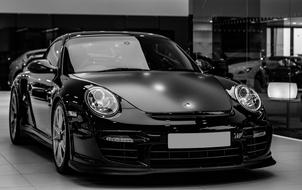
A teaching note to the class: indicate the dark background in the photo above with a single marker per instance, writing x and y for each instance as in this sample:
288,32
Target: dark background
22,32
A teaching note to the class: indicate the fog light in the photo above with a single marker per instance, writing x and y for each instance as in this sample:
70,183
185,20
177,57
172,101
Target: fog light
120,139
259,134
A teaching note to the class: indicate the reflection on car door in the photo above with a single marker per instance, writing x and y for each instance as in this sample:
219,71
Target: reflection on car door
41,90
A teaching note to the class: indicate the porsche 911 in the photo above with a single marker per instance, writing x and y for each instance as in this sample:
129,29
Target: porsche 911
136,103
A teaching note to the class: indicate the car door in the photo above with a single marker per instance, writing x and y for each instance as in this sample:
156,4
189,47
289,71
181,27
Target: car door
41,90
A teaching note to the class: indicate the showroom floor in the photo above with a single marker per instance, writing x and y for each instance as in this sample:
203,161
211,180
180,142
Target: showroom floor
30,167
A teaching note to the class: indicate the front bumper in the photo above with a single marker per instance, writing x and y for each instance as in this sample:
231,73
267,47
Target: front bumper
264,161
149,153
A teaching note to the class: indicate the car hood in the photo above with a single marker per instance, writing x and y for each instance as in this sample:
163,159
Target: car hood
164,92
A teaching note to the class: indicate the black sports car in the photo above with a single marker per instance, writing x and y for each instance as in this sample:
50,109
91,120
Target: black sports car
121,102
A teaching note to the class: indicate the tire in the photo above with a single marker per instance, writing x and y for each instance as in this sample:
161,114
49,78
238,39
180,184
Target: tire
60,139
15,120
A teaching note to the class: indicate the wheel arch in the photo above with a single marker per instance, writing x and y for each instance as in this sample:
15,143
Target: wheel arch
56,100
54,103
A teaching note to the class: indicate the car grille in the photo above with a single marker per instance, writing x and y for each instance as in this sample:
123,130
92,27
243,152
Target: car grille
256,146
120,152
162,157
209,116
155,153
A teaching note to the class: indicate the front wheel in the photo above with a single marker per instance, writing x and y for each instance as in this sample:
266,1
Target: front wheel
15,130
60,139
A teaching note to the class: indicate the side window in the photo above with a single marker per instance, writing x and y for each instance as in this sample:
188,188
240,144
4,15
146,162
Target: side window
54,53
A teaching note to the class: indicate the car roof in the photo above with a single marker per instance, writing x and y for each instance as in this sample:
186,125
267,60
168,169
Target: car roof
106,33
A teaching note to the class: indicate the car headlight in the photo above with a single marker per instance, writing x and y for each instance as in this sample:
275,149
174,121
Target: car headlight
101,101
247,97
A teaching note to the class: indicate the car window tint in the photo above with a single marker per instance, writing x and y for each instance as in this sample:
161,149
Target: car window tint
91,54
165,55
104,53
54,53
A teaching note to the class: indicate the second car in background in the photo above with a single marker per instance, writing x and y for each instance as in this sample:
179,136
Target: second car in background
18,64
213,66
251,73
284,69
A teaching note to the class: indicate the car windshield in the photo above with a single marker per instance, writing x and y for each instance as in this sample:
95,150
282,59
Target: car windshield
118,53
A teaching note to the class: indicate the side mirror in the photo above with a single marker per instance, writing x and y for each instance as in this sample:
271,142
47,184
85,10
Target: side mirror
205,66
41,66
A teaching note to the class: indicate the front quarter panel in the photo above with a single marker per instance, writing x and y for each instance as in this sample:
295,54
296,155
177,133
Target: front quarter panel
226,83
80,122
258,116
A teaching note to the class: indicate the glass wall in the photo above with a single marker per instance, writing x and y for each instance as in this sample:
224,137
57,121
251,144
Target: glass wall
258,43
255,42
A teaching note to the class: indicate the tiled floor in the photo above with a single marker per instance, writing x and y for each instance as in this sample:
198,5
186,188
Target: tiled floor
30,167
